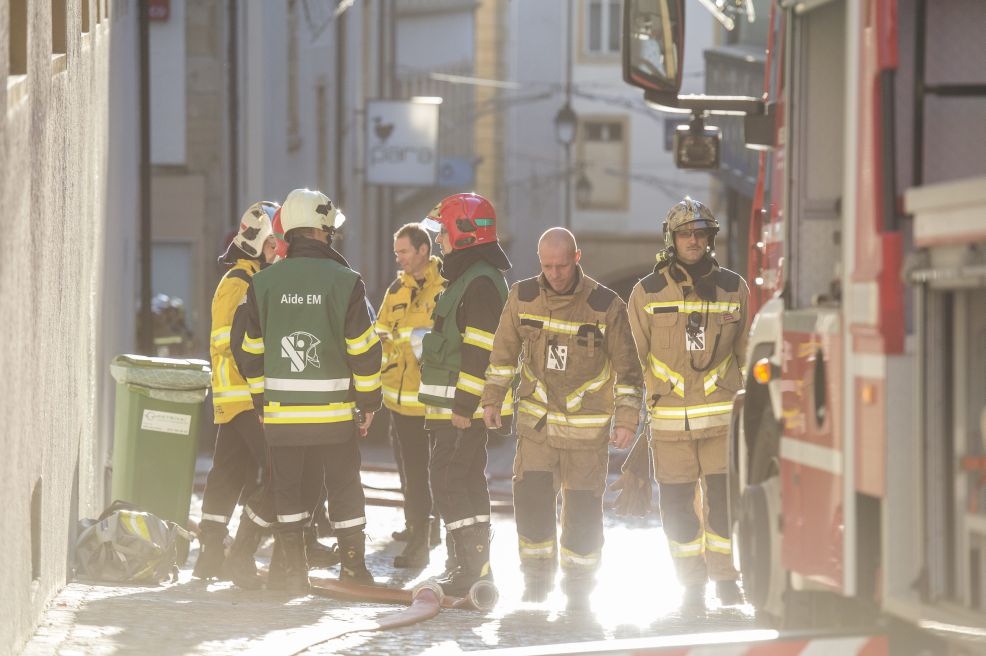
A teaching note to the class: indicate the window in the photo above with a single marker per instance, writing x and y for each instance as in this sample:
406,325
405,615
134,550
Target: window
58,27
602,180
17,37
602,27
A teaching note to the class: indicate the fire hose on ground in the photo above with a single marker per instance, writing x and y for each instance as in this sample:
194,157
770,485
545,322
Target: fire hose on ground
424,602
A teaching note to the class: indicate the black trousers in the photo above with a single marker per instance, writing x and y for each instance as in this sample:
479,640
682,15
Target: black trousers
458,474
302,473
236,463
413,456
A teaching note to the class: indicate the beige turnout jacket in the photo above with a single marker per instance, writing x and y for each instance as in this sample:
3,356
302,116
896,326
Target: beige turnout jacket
692,349
575,357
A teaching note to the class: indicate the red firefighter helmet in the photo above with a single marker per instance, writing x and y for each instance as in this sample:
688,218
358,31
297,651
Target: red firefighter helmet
469,219
277,232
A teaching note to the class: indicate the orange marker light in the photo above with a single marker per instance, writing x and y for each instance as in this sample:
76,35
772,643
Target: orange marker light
763,371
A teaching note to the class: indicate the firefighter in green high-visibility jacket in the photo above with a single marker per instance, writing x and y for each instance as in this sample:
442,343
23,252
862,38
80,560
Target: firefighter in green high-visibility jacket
454,357
312,360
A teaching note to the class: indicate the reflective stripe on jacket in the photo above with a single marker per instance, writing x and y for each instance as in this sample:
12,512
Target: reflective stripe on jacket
230,391
692,349
576,360
406,306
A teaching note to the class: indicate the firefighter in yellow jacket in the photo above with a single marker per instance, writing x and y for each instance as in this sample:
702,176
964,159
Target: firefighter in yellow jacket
240,449
580,389
689,320
405,315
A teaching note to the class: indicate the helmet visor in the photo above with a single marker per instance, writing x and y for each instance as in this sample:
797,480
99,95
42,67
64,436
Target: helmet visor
431,225
697,224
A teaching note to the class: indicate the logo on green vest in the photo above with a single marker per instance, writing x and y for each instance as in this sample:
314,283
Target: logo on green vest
299,348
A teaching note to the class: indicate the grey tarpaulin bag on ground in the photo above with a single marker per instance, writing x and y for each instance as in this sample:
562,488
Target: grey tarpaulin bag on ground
125,544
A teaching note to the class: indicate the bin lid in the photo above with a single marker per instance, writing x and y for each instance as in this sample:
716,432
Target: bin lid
161,373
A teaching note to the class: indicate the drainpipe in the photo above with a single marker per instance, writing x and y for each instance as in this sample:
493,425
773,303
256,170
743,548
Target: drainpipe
145,323
233,100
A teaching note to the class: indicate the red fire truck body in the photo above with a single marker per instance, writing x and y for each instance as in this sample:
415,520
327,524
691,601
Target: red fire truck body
856,471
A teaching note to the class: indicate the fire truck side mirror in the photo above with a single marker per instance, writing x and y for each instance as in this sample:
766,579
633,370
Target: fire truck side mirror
653,43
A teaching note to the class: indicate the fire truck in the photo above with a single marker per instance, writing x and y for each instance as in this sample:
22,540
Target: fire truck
857,460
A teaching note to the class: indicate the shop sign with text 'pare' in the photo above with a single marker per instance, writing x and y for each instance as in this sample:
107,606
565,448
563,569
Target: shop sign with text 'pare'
401,143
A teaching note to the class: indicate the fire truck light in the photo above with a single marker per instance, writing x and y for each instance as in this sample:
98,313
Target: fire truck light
763,371
758,281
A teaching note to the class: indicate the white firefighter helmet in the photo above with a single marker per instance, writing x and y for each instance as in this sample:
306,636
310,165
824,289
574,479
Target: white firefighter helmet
255,228
304,208
689,215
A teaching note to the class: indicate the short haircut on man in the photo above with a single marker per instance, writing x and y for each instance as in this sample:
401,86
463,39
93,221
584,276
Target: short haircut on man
418,235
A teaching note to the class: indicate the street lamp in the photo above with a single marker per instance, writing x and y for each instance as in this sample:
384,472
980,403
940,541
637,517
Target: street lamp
565,124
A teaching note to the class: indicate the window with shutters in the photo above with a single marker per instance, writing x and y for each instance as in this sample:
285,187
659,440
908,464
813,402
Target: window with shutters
601,28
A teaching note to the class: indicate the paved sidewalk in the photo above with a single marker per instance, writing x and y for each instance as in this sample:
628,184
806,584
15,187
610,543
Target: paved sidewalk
636,596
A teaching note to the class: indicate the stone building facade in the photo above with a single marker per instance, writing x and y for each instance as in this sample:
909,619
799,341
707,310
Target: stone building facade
69,190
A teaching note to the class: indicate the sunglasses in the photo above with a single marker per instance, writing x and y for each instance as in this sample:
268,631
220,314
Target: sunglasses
698,233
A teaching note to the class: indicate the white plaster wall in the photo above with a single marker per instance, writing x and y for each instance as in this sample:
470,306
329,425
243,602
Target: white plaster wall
66,291
269,166
535,161
167,67
430,41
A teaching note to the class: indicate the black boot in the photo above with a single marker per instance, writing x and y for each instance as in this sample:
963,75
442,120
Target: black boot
295,562
415,552
275,573
451,562
319,555
212,553
693,600
578,590
538,585
729,593
435,534
352,548
240,565
472,550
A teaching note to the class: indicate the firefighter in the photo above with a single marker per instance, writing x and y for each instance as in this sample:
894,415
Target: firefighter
404,314
455,354
689,320
580,389
258,511
312,360
240,451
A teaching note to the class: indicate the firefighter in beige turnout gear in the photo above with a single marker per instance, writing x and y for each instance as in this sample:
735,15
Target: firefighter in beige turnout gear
569,339
689,320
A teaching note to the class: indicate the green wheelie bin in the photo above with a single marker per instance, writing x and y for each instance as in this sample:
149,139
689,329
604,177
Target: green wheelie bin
158,404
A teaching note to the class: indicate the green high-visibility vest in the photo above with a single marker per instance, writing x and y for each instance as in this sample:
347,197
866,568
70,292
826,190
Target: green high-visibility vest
441,347
303,303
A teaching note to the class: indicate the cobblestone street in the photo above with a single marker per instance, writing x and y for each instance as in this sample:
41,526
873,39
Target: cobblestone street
636,596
